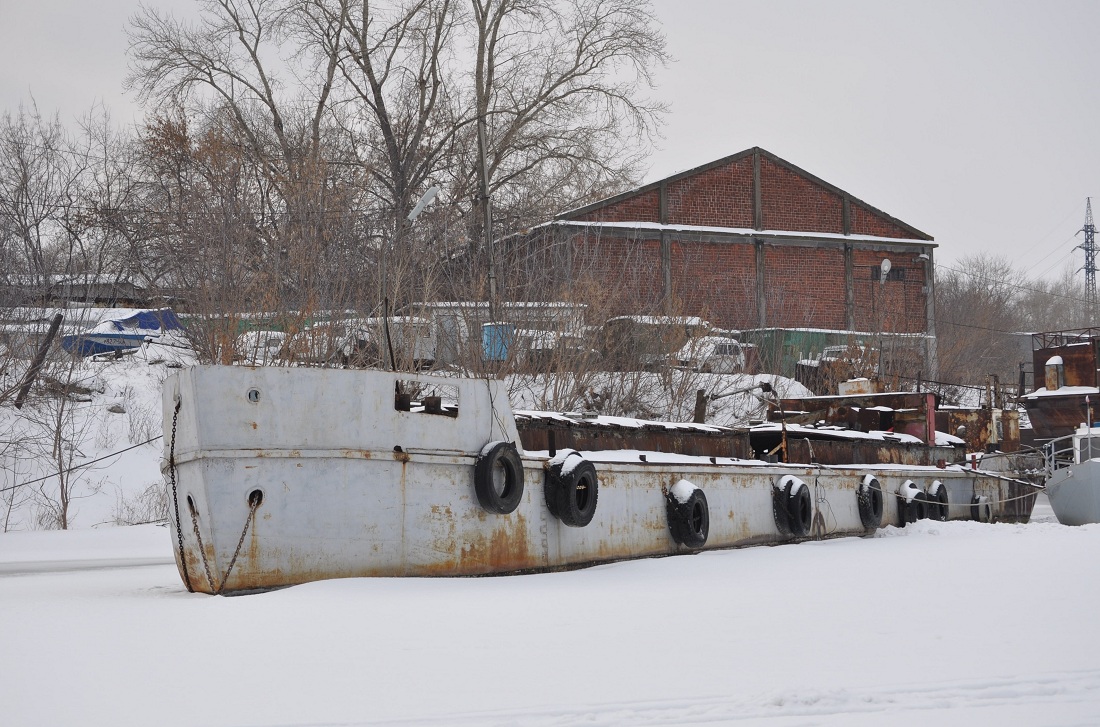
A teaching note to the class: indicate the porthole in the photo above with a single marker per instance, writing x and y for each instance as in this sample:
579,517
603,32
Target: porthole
254,396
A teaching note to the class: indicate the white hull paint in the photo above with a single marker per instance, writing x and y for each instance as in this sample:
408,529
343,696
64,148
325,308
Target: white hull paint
352,487
1074,493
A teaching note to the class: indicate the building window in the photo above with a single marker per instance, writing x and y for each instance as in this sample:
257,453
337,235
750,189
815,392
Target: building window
894,274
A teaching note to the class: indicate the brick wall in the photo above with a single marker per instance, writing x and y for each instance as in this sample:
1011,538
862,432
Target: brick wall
805,285
865,222
643,207
624,273
716,281
794,203
719,197
723,197
896,306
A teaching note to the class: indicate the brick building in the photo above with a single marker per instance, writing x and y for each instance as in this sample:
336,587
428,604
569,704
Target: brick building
751,241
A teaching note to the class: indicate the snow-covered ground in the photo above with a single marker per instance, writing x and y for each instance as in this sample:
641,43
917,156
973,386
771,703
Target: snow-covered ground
940,623
106,427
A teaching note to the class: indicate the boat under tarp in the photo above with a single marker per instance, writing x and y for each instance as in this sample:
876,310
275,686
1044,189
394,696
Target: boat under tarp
114,334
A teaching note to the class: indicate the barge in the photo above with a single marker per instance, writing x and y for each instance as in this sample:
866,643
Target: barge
280,476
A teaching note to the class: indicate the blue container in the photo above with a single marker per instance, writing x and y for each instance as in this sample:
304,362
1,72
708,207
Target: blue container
496,340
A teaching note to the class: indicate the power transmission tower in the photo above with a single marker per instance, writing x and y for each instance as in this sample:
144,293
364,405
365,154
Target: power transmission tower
1089,246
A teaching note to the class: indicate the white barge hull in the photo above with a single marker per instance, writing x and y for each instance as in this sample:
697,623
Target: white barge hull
1074,493
282,476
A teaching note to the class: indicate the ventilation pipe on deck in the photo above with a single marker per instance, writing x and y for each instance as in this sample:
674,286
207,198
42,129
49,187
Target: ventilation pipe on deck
1055,373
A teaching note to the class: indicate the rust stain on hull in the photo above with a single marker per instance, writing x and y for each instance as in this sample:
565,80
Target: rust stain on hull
453,536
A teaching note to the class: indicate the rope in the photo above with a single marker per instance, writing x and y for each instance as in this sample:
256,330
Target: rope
495,415
960,504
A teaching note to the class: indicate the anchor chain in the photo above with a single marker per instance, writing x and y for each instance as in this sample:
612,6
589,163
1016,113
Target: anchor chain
253,503
175,497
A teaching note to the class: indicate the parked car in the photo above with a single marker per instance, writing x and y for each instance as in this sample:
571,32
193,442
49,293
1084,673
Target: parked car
632,343
713,354
260,348
363,343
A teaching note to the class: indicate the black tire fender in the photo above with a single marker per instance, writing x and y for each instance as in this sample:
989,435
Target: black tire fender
572,489
498,478
937,493
911,501
869,500
923,507
689,521
792,506
981,509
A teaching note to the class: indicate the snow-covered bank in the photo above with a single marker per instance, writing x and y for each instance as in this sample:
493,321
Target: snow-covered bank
948,623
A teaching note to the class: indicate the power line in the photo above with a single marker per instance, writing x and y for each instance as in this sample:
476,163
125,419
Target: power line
1054,264
1013,284
1054,249
979,328
82,464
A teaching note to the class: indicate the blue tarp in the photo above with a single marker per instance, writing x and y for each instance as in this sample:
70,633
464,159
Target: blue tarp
163,319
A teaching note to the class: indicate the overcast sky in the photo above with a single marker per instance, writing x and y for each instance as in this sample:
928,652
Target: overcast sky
976,122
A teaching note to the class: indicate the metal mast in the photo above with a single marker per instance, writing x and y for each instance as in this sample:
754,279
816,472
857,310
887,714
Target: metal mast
1089,246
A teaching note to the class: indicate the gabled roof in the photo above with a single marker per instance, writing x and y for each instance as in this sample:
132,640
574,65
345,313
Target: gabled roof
765,154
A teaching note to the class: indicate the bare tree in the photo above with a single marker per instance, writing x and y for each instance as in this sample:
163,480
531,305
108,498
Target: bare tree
241,72
1048,305
977,310
35,184
560,84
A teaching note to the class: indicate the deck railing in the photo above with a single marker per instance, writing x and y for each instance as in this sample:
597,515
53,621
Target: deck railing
1053,339
1058,453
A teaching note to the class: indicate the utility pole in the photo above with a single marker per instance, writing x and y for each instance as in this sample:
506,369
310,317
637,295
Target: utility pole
423,202
487,211
1089,246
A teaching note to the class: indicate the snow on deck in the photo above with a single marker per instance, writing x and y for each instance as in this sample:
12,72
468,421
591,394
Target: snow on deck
604,420
837,432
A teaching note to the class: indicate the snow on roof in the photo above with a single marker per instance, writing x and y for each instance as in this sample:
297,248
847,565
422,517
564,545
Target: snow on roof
742,231
838,331
1067,391
943,439
1054,361
535,304
835,432
843,397
662,320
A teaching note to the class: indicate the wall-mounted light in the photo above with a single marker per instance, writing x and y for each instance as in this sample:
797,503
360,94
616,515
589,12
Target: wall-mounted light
423,202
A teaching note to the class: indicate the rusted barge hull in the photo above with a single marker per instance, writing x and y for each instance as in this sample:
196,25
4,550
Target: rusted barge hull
282,476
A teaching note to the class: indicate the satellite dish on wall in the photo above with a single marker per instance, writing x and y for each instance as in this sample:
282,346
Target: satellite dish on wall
884,267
